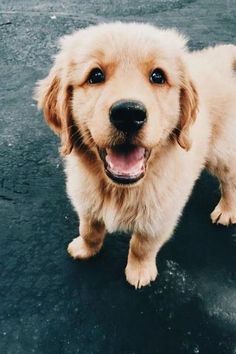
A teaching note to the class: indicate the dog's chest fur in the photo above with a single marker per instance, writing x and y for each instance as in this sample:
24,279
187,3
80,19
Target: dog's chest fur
144,208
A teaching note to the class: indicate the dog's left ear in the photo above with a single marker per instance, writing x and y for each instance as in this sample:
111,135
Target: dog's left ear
188,111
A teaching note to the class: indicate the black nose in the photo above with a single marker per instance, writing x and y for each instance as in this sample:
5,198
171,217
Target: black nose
128,116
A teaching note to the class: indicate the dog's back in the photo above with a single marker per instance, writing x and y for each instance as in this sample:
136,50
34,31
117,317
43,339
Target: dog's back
213,72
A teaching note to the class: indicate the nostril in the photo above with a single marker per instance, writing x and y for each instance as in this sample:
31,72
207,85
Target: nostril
128,115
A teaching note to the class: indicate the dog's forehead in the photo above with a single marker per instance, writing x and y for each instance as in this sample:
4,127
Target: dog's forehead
122,41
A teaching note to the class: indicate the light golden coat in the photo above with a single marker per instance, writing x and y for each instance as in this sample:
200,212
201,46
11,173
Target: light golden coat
191,124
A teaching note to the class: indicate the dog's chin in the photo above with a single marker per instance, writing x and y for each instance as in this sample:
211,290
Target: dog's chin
125,164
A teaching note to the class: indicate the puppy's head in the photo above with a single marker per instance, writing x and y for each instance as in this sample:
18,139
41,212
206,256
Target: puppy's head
118,92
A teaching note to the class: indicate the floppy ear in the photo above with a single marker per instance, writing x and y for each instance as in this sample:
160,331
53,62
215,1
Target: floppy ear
188,112
54,98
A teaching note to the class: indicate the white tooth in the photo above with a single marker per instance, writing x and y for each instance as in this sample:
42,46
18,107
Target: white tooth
110,164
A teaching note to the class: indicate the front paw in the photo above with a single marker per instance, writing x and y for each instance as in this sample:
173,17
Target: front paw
80,249
222,215
140,273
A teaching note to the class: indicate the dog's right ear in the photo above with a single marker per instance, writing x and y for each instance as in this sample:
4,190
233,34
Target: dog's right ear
188,112
54,97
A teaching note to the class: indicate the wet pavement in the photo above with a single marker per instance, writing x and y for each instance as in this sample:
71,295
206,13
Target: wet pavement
52,304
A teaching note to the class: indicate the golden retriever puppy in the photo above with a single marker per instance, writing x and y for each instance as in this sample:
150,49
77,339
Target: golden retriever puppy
139,117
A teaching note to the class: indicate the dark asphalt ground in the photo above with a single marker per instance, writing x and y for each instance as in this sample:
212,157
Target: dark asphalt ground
52,304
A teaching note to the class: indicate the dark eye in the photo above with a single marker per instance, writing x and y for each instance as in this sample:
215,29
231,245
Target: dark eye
96,76
158,77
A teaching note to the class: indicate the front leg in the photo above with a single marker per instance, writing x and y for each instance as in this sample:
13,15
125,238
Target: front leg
141,267
90,241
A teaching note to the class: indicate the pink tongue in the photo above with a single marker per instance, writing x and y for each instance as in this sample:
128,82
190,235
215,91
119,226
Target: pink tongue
125,162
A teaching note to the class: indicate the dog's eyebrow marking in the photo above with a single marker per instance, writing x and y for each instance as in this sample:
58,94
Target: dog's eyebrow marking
234,66
80,70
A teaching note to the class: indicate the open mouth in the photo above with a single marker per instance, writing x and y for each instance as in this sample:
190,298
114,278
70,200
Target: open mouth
125,164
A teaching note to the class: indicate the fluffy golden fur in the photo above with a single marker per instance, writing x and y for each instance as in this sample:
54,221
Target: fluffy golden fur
191,124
